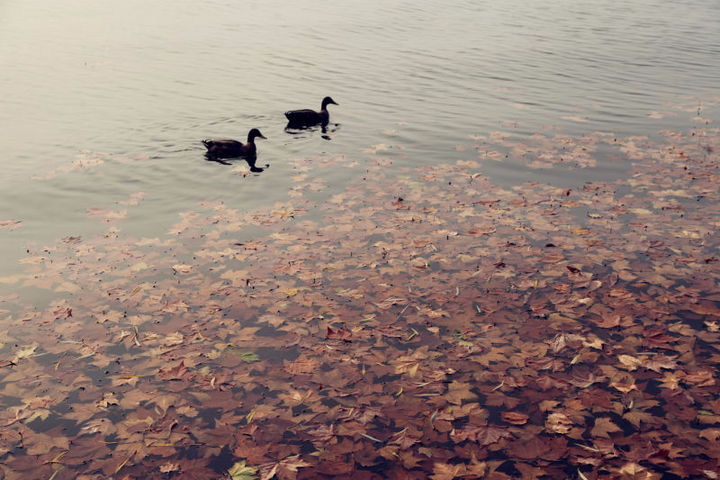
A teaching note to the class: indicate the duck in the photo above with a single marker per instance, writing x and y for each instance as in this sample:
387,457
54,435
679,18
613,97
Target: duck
307,117
233,148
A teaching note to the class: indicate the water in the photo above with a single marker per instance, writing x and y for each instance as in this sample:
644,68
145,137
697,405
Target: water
136,85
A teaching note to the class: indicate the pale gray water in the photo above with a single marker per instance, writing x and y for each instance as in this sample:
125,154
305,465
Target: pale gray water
148,80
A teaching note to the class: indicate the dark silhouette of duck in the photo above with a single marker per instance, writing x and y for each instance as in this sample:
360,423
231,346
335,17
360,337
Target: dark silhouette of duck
307,117
233,148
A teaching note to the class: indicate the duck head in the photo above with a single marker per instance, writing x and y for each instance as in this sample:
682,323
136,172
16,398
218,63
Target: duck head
254,133
326,101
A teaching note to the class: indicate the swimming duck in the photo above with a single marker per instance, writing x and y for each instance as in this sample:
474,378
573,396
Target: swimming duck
307,117
233,148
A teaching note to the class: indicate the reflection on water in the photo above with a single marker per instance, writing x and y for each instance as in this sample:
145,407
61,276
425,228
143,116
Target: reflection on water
138,85
326,131
251,161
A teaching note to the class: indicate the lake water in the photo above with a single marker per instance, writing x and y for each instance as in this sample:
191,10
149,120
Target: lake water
316,305
104,100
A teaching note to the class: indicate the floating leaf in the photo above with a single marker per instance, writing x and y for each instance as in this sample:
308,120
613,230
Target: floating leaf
240,471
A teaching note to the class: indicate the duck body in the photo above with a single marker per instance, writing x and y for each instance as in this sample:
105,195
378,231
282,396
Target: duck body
233,148
307,117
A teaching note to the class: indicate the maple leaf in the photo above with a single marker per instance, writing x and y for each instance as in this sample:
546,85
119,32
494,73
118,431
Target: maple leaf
274,320
671,380
484,435
586,380
671,451
249,357
25,352
404,440
40,444
659,362
604,426
302,366
515,418
284,213
623,382
629,361
173,339
285,469
169,467
636,417
323,433
444,471
9,224
176,372
532,448
457,392
107,400
40,413
711,434
100,425
631,468
341,334
240,471
701,378
610,321
558,423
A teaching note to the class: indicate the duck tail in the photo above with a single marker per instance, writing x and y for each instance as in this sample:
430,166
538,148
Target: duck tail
206,143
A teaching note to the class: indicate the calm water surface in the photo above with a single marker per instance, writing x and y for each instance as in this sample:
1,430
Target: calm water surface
138,84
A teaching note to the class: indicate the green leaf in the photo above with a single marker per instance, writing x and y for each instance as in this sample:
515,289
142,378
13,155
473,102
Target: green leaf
240,471
249,357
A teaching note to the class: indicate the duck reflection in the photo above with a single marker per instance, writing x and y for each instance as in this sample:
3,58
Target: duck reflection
251,161
325,130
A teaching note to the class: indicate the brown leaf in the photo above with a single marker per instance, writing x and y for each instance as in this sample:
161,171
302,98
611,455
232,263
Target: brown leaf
302,366
484,435
711,434
535,447
457,392
558,423
176,372
9,224
603,427
169,467
636,417
343,334
285,469
444,471
515,418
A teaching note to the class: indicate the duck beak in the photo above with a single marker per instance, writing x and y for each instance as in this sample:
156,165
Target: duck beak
262,136
334,102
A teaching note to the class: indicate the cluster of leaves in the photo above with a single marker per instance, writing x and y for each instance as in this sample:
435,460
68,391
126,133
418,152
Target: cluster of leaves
424,323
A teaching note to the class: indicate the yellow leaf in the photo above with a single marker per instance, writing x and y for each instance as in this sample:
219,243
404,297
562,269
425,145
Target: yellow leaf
139,267
240,471
283,213
25,352
40,413
181,268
